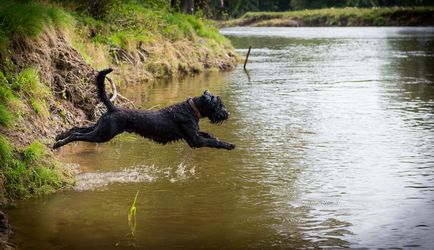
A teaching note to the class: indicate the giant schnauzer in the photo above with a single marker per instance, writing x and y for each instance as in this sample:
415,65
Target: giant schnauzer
176,122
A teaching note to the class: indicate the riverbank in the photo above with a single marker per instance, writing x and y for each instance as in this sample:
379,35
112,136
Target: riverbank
394,16
49,55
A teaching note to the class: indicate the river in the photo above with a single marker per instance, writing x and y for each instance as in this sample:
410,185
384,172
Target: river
334,130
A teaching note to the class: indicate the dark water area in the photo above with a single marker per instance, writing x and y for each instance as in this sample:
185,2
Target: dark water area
334,130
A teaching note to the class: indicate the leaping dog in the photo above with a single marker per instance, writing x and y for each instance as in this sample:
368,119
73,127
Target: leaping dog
177,122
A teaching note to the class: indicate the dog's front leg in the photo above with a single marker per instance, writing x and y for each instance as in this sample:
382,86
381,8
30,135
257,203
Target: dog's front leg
206,135
198,139
198,142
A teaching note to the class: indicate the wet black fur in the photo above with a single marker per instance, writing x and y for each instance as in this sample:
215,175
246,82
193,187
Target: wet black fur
169,124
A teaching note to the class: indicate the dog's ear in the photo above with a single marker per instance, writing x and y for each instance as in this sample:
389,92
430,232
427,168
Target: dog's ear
207,94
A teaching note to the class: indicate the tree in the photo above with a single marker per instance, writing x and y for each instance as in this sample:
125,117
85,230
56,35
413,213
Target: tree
185,6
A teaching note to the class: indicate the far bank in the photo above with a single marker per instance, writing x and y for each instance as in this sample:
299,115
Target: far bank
342,17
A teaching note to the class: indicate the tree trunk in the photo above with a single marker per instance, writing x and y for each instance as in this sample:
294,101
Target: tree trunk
188,6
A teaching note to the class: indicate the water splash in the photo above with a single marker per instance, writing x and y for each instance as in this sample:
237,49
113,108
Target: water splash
140,173
181,173
92,181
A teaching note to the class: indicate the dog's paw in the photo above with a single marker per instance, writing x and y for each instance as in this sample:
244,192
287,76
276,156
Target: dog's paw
56,145
229,146
60,136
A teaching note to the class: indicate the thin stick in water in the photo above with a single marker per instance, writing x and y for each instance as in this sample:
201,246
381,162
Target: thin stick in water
247,57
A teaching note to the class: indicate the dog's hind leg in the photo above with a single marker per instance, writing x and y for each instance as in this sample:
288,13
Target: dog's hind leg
102,132
65,134
93,136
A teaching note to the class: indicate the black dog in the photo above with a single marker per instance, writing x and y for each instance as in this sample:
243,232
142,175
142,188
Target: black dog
176,122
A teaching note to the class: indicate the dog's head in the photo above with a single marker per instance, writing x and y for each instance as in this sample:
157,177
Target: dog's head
212,107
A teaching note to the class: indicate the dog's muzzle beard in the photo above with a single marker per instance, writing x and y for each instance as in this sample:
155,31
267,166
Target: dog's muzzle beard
219,117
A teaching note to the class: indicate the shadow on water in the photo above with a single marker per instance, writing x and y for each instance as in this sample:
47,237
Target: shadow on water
333,132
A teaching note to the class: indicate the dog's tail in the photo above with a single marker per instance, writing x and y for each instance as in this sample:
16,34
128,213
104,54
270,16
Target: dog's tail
101,89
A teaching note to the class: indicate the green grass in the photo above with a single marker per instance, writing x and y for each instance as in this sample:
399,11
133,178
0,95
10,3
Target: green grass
6,117
28,84
9,103
134,23
39,106
5,151
334,16
33,152
30,19
25,85
30,171
132,219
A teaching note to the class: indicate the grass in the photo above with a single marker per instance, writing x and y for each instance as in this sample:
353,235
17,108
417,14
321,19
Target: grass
28,84
132,221
6,117
29,19
342,17
5,151
163,43
134,23
33,152
29,171
119,36
9,103
25,85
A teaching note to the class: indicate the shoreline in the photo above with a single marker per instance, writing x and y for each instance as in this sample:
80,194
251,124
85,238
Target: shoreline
338,17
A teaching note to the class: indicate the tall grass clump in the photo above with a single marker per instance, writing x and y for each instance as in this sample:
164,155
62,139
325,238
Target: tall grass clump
33,152
5,150
28,84
29,19
9,102
6,117
29,171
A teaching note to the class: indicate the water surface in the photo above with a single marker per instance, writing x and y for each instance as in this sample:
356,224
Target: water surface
334,130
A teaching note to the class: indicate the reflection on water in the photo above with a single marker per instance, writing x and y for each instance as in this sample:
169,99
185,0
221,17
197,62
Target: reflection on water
334,134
